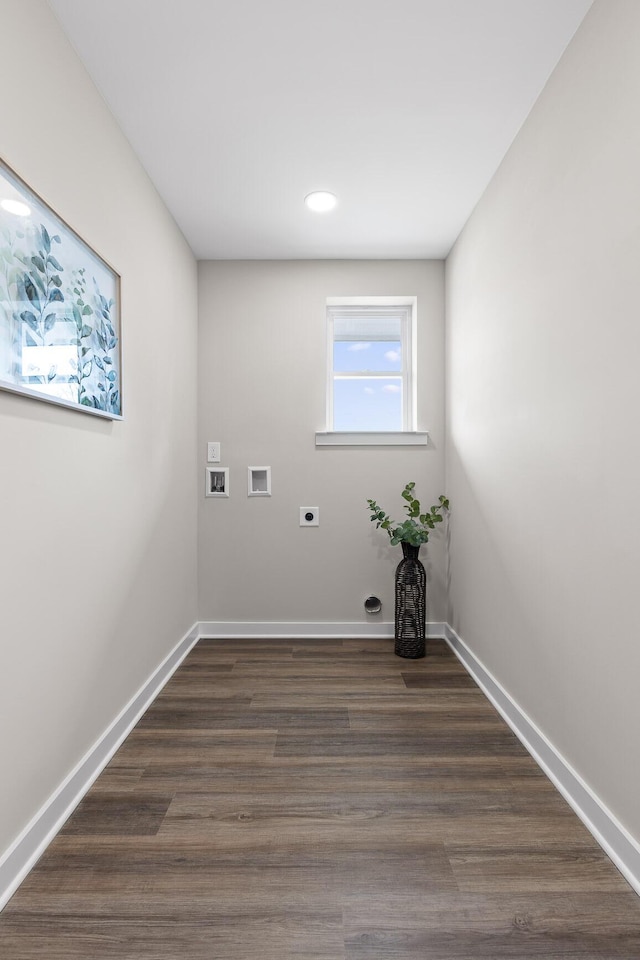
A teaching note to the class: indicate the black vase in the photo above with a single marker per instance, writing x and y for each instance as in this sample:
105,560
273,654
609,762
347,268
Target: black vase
411,587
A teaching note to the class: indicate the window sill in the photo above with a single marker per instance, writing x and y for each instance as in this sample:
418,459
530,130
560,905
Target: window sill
347,438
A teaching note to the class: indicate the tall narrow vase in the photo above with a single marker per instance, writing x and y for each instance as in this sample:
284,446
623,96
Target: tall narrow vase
411,586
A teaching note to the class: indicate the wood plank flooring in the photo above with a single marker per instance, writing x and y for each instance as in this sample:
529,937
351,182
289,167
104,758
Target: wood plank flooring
322,800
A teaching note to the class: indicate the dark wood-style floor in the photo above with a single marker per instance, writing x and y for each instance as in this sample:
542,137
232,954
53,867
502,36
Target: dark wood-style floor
322,800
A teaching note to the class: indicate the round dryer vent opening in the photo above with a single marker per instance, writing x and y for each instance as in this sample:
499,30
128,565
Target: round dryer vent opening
373,605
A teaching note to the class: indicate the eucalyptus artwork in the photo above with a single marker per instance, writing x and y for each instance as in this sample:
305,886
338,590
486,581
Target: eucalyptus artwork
59,321
410,587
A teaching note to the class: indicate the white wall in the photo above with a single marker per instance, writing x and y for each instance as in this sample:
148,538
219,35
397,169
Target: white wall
98,559
262,378
543,291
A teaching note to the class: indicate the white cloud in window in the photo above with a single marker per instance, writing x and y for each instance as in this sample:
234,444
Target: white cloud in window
369,390
359,346
391,388
392,356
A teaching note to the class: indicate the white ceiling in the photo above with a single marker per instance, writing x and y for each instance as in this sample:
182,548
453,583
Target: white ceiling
239,108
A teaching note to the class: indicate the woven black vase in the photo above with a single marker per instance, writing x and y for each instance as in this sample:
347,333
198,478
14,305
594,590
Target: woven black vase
411,587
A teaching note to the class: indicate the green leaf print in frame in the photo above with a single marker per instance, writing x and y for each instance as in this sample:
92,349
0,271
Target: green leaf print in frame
59,308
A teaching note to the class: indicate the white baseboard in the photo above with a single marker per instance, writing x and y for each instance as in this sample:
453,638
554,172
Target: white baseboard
614,839
21,856
317,630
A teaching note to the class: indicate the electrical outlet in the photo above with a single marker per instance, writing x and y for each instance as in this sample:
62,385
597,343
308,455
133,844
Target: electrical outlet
309,516
213,452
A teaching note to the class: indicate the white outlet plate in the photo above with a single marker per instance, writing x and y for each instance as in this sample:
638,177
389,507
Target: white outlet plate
213,451
315,518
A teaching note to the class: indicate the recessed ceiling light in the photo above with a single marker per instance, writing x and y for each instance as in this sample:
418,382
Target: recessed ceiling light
320,201
15,206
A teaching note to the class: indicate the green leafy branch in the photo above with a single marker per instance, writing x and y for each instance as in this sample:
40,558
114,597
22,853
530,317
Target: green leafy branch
416,529
80,310
40,287
107,340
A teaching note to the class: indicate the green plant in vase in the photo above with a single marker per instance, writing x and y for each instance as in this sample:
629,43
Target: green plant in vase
416,529
410,587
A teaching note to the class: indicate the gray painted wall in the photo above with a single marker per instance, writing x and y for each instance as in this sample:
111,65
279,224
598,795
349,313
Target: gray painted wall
262,376
97,567
543,288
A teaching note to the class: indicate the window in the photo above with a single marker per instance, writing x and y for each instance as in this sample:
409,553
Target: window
371,377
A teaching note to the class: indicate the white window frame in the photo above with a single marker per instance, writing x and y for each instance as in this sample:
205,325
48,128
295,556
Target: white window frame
367,307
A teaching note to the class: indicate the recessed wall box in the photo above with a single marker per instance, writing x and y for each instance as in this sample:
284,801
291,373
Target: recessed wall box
259,481
217,482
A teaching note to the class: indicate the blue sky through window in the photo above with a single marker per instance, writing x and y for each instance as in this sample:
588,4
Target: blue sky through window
356,356
367,403
364,403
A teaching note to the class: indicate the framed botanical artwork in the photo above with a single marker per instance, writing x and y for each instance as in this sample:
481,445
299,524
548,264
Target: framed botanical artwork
59,308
